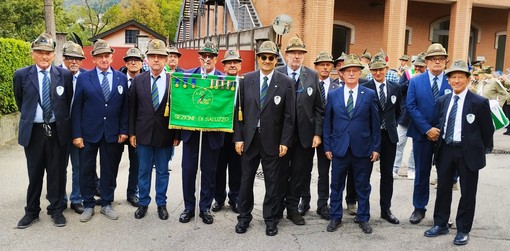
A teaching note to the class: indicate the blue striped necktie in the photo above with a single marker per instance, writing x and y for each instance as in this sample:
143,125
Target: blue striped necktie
435,89
350,104
155,92
382,99
323,92
105,85
263,92
450,125
46,98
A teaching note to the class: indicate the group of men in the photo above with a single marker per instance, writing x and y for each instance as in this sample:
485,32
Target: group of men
283,117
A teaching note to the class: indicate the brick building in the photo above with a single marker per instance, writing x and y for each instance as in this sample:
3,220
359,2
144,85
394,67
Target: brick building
469,29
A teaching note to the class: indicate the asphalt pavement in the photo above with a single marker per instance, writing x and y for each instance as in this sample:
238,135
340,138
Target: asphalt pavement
491,228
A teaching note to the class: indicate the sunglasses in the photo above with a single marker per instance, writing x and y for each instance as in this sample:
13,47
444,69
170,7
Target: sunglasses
264,57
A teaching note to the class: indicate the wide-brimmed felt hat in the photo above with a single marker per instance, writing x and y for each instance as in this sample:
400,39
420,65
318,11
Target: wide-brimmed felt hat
420,60
436,49
295,44
43,42
73,50
173,50
404,57
101,47
323,56
268,47
458,65
378,62
133,53
231,55
352,60
156,47
208,47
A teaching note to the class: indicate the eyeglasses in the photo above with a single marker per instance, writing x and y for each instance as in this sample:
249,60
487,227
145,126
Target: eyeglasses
73,59
437,59
264,57
133,60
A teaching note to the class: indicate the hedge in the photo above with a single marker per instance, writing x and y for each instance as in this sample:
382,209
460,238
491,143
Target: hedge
14,54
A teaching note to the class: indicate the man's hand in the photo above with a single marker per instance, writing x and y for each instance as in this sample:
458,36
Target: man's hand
176,142
132,141
433,134
122,138
329,155
374,157
283,150
316,141
239,147
78,142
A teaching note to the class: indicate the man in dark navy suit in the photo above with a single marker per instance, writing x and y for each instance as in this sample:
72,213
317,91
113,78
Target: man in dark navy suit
100,123
422,93
323,66
352,137
43,94
263,135
390,97
73,59
211,144
307,130
228,157
466,129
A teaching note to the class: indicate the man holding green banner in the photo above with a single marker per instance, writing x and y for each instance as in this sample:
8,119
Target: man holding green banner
196,116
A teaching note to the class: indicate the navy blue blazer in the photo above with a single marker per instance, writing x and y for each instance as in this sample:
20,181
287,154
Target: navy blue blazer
361,133
92,116
26,94
420,105
215,138
476,131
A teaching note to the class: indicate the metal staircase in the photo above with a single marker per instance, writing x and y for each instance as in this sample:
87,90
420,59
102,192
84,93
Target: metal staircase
243,14
186,18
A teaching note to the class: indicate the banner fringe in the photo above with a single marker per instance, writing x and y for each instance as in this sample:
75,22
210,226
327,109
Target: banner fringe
199,129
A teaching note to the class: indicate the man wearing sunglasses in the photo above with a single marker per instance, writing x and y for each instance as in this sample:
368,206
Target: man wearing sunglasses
307,130
263,128
211,144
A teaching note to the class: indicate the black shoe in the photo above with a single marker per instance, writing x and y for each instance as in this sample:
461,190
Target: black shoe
324,212
507,132
271,230
333,225
58,219
27,221
365,226
77,207
133,200
241,227
186,216
387,215
417,216
207,217
140,212
233,207
436,231
216,207
295,217
461,238
162,213
356,220
303,208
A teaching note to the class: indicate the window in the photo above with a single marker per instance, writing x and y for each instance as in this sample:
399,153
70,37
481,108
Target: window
131,36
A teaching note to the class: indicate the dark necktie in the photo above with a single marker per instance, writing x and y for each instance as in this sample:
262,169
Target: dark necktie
296,81
263,91
450,125
435,90
46,98
154,92
323,92
382,99
105,85
130,81
350,104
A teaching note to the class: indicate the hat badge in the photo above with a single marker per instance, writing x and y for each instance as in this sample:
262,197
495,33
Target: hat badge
156,45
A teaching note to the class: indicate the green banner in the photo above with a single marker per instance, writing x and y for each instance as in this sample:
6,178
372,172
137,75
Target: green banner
203,103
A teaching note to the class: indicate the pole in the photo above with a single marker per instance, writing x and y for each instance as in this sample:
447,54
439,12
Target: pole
197,182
